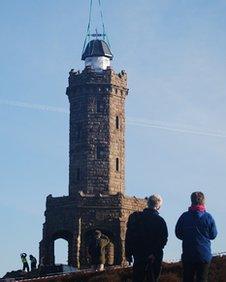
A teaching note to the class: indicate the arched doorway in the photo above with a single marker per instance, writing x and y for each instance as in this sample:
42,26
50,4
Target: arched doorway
62,241
60,251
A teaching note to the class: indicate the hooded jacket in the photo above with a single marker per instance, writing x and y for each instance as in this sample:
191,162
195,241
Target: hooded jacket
196,229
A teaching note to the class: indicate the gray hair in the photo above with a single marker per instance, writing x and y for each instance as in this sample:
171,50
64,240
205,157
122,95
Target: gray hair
155,201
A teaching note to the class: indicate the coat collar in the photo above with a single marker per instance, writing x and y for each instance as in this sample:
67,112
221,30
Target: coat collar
150,211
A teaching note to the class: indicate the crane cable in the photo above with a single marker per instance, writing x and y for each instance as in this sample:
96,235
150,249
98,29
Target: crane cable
89,24
102,19
88,34
103,26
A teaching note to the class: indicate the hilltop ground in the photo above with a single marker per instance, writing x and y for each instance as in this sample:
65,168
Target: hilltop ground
171,273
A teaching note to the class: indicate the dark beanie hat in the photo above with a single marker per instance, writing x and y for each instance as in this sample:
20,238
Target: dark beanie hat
197,198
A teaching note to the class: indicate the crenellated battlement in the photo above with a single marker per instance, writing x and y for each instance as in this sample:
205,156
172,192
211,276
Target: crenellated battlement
90,77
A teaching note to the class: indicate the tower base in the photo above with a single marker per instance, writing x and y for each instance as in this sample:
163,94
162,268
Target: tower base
75,218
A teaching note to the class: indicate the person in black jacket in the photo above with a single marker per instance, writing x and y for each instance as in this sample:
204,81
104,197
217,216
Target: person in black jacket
146,237
33,262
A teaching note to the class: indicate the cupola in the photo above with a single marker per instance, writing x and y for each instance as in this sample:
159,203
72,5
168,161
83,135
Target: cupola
97,55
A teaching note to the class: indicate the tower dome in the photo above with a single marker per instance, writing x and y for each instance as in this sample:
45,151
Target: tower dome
97,55
97,48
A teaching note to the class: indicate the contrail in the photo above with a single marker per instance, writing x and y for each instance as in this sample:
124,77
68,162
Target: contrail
34,106
185,129
169,127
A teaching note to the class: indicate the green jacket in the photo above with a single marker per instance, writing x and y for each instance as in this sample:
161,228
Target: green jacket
24,260
97,250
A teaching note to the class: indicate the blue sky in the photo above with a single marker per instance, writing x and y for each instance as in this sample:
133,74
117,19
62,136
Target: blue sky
174,54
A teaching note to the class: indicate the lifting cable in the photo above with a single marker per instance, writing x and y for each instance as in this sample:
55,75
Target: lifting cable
88,32
103,26
102,19
88,27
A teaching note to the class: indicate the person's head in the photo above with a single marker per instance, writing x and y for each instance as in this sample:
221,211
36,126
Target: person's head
155,202
23,255
30,256
197,198
97,234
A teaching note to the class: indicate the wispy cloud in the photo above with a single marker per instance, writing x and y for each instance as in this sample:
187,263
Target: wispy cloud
141,122
34,106
176,128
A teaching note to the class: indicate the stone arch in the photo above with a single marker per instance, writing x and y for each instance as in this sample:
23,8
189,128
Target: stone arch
60,251
67,236
110,249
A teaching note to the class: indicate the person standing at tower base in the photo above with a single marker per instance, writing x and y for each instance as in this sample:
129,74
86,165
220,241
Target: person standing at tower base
96,250
33,262
24,262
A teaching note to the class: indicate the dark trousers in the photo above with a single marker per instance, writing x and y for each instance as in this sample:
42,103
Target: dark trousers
33,265
199,270
146,271
25,266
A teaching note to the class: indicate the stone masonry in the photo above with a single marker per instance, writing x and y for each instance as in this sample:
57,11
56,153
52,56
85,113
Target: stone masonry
96,142
96,197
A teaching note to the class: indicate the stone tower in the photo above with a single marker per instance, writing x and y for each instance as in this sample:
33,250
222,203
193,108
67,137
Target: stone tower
97,125
96,197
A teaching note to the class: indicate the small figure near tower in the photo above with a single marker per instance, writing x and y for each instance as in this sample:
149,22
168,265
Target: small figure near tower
23,257
33,262
96,250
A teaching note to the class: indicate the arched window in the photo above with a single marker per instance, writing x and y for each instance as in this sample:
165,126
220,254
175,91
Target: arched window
61,251
117,164
117,122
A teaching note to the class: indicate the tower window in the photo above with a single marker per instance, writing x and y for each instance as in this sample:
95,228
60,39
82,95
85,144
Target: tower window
117,122
117,164
100,152
78,174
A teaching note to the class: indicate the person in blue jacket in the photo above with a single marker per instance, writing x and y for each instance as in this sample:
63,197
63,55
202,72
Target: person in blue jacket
196,228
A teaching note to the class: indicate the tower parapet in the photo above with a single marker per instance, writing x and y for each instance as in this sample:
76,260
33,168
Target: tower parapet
90,76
